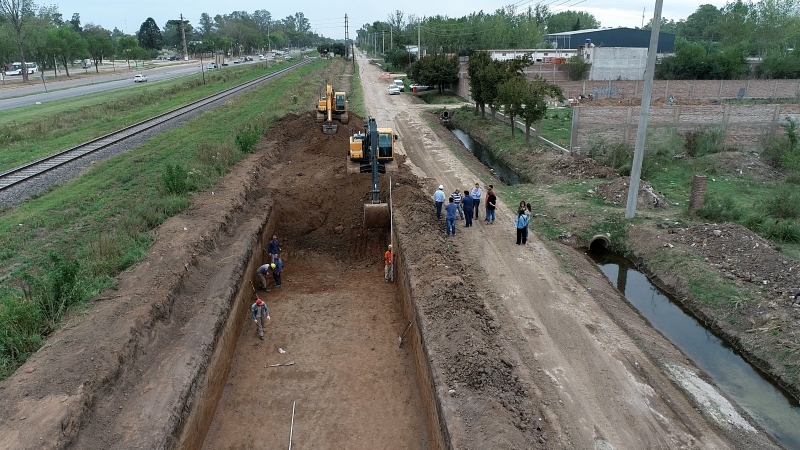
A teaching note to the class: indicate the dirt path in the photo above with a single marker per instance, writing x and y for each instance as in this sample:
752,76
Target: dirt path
594,386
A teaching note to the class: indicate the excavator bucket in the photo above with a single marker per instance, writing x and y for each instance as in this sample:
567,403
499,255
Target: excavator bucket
376,215
329,128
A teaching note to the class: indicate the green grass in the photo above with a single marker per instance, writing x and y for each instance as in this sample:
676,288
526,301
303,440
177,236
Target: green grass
357,101
99,224
557,126
30,133
435,98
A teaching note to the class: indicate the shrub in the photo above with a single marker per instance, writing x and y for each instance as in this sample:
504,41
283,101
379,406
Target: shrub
247,138
720,209
704,142
174,180
783,204
786,230
618,156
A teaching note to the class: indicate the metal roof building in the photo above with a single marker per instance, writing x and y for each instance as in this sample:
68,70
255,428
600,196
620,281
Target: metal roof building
611,37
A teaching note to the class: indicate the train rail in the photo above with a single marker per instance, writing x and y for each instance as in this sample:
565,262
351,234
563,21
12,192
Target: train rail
41,166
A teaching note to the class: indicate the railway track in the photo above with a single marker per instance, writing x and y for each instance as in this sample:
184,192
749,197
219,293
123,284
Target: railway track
34,169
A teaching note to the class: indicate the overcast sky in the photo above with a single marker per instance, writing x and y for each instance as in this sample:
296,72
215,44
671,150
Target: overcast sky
327,17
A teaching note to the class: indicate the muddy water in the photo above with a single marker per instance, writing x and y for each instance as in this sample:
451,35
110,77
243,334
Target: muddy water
505,173
774,410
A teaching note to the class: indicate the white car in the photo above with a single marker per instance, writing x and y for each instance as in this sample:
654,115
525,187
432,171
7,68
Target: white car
393,89
419,87
139,78
211,66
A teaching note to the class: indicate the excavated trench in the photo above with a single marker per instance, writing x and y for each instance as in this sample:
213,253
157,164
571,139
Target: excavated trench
339,323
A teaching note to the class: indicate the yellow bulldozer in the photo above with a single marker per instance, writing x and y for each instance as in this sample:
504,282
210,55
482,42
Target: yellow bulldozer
332,106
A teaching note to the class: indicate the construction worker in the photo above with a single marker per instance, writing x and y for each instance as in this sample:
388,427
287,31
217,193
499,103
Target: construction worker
273,248
262,272
438,200
259,310
277,268
388,258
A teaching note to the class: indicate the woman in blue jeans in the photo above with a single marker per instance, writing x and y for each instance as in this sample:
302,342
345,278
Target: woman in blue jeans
491,205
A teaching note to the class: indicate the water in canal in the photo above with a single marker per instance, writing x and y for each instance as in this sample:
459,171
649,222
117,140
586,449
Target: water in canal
505,173
776,412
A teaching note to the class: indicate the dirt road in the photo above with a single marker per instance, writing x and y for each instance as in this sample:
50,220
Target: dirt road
592,385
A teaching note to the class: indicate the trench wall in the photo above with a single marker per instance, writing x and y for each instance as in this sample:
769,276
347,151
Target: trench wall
435,418
204,407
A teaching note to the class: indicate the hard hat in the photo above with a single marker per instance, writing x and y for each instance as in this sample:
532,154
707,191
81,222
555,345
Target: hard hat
390,245
272,265
441,187
259,302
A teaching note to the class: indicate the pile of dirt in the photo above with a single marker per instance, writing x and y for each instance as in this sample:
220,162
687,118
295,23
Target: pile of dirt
740,254
579,168
742,164
616,193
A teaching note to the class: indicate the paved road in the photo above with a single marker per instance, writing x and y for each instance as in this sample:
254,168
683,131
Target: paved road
11,98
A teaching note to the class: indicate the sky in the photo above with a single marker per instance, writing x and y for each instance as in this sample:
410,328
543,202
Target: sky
327,17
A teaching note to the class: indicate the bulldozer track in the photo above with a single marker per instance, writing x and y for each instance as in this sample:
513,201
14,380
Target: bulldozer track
41,167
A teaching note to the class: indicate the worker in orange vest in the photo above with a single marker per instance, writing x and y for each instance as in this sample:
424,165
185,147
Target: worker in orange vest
388,271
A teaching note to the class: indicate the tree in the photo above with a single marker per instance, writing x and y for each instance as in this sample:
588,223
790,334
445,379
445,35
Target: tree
510,94
127,46
534,100
436,70
75,23
149,35
99,45
19,13
571,21
576,68
476,69
65,45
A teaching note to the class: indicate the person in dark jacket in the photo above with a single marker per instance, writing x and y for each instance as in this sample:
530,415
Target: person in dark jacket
277,269
522,225
491,206
273,248
466,203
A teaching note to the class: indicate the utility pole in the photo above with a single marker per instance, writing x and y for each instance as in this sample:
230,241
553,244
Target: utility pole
643,9
419,40
346,36
391,38
383,42
644,111
183,36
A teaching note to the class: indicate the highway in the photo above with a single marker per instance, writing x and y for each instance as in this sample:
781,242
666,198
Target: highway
64,88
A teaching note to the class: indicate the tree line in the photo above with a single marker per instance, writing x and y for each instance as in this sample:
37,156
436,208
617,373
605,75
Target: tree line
29,32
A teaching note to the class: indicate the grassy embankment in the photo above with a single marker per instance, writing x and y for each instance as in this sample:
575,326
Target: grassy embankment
767,206
35,131
67,245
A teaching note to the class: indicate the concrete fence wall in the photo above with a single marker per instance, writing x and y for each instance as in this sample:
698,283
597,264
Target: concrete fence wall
679,89
744,125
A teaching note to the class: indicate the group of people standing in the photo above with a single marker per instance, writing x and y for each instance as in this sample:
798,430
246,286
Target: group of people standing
464,203
259,309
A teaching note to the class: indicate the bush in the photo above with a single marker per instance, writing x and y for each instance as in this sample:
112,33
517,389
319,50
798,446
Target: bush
618,156
720,209
174,180
786,230
704,142
783,204
247,139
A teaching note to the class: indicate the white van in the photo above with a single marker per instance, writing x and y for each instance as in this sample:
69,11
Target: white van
16,68
400,85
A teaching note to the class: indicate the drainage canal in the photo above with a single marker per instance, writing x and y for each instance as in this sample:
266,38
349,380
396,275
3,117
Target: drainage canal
505,173
775,411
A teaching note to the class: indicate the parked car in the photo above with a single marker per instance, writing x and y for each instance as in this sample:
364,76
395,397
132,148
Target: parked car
393,89
139,78
419,87
400,85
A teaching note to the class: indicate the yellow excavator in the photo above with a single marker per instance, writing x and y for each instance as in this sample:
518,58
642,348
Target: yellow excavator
373,149
332,106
